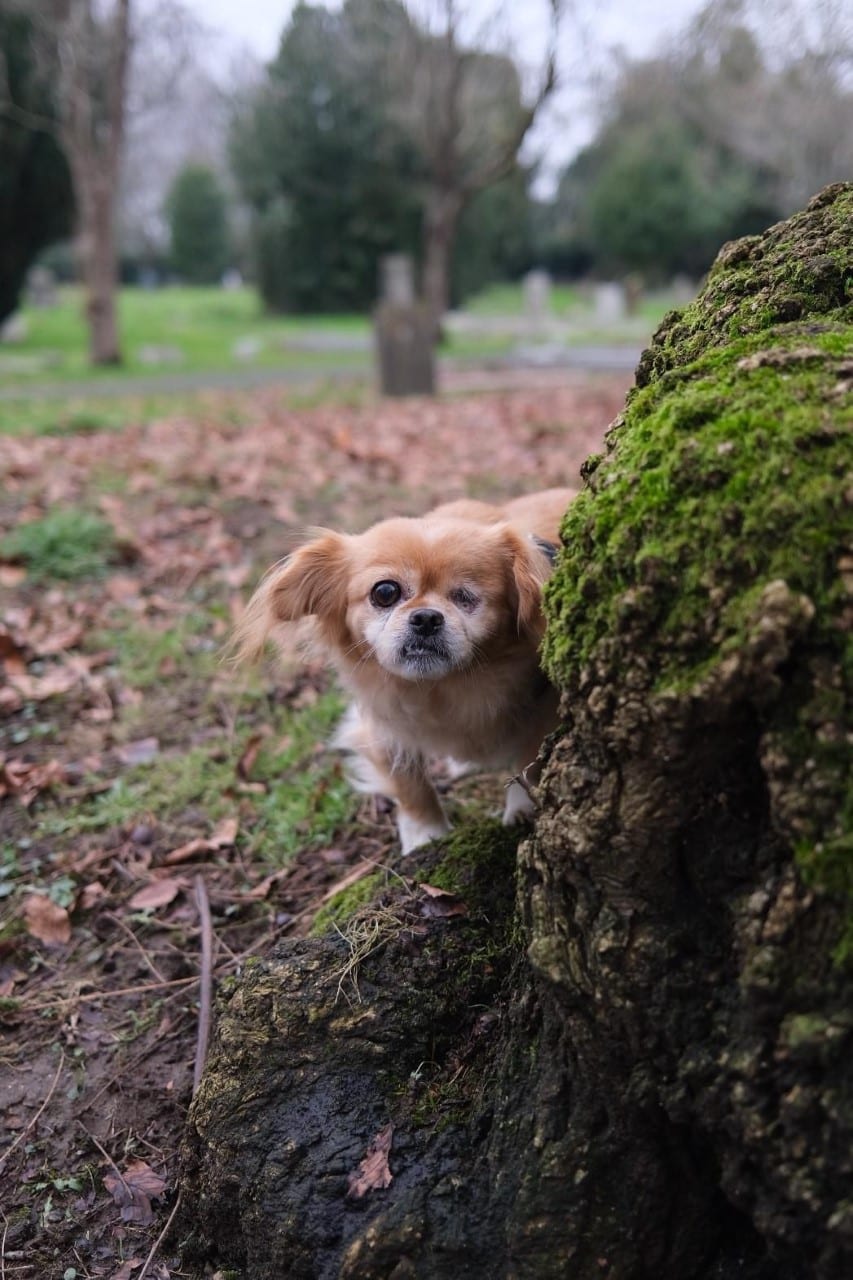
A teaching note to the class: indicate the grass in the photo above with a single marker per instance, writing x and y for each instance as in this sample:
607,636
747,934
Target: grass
68,543
194,329
185,331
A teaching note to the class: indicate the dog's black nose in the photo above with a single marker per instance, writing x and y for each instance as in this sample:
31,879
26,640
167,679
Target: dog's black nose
426,622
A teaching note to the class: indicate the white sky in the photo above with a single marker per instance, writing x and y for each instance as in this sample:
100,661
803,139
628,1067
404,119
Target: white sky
635,26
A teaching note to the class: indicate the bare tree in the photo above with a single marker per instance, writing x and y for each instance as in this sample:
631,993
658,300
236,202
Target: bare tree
93,53
469,115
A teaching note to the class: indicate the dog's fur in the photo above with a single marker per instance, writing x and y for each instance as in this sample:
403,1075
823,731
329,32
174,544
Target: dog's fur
443,660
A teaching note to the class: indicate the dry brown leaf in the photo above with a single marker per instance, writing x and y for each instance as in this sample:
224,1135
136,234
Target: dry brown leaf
159,893
134,1190
250,754
434,892
46,920
184,852
441,903
127,1269
225,833
373,1172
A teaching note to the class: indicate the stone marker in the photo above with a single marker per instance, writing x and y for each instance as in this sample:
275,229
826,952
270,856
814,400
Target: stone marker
41,288
537,300
403,333
610,302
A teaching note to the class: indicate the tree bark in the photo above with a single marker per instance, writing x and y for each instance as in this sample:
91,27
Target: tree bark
633,1062
441,219
93,56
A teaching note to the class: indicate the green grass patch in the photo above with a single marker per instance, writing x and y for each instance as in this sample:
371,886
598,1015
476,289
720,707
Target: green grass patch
307,799
67,543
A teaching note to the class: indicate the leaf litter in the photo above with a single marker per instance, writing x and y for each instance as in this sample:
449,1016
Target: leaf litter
116,678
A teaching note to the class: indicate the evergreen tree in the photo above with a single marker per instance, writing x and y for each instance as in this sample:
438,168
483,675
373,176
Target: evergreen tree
198,222
36,204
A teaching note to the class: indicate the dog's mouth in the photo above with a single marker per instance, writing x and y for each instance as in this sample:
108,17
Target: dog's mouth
425,656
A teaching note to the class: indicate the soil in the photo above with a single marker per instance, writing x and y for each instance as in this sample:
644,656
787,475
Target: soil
99,986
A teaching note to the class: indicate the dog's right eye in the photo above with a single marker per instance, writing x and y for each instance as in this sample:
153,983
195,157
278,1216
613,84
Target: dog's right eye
384,594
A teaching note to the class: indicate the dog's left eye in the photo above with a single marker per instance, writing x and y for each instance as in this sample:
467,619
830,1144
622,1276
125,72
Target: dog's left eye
384,594
464,598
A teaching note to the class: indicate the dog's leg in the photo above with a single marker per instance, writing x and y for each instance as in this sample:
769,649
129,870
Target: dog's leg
379,771
518,806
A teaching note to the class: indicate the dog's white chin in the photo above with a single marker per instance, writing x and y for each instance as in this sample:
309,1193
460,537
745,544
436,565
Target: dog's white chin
423,665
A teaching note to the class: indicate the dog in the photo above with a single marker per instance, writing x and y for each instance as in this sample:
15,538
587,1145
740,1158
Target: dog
434,627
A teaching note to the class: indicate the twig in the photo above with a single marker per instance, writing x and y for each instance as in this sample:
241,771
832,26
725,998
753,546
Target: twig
34,1121
130,934
3,1247
156,1245
103,995
205,980
104,1153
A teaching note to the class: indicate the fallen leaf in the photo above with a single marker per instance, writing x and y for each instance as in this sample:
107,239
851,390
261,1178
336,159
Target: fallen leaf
126,1269
159,893
134,1190
373,1172
184,852
225,833
45,920
441,903
250,754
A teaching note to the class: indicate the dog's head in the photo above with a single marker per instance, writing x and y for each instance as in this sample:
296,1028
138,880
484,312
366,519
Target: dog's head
420,598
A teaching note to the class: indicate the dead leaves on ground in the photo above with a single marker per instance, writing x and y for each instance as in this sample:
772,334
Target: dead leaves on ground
134,1189
373,1172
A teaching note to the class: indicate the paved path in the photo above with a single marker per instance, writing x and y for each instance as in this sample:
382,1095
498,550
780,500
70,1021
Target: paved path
589,358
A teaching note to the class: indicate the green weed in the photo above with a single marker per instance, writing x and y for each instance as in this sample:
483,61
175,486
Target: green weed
67,543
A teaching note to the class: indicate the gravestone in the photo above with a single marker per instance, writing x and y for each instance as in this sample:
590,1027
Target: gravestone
41,288
537,300
403,333
610,302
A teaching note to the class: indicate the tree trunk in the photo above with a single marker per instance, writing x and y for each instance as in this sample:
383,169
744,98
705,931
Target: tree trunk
633,1062
441,218
98,258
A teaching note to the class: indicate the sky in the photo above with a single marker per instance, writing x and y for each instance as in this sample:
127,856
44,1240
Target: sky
238,27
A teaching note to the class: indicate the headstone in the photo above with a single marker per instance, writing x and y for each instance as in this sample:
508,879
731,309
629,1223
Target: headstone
610,303
403,333
537,300
14,329
153,354
633,293
41,288
231,280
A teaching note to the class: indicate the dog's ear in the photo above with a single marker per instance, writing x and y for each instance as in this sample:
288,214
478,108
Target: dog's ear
529,565
311,581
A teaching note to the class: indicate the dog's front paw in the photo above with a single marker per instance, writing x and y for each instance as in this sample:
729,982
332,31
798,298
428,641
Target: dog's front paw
519,807
415,832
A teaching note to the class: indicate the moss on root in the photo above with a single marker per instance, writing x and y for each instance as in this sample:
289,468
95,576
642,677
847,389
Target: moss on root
710,554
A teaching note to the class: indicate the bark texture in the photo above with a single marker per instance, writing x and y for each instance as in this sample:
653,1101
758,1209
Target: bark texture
634,1062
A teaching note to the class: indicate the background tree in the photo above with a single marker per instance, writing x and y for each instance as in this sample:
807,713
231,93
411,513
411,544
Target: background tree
374,132
727,128
326,171
467,112
198,222
92,54
36,205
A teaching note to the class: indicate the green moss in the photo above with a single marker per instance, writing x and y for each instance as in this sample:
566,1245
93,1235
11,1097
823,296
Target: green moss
478,864
344,904
715,525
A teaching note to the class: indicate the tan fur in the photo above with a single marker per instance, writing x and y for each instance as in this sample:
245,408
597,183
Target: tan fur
471,688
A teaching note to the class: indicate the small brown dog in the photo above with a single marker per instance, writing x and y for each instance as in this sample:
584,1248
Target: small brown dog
434,626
